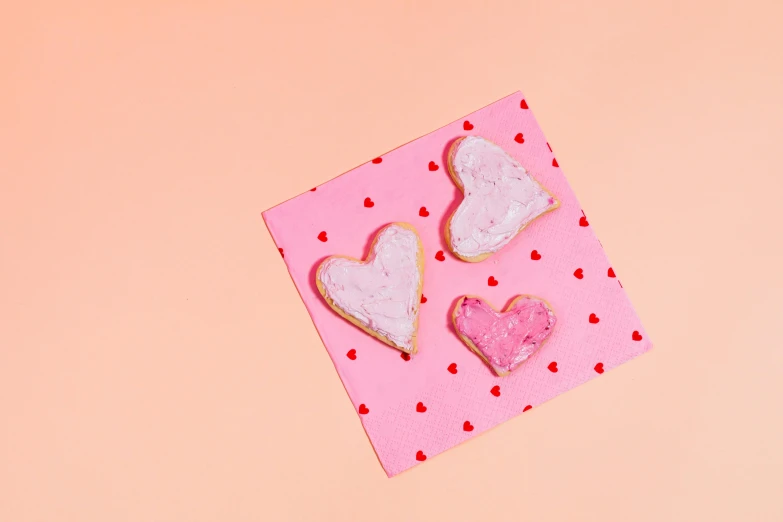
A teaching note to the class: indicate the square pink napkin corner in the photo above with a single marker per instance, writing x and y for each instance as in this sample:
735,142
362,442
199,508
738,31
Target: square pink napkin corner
414,408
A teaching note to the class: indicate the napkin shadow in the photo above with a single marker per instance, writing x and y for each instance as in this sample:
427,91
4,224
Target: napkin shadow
457,198
450,318
311,279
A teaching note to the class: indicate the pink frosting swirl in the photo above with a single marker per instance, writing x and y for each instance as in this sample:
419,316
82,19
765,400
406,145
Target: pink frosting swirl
505,339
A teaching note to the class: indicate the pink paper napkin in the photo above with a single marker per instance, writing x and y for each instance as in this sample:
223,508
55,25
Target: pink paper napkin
415,409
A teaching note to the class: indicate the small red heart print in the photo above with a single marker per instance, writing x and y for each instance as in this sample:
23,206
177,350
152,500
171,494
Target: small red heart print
377,160
369,203
583,222
452,368
593,319
439,256
467,125
523,104
554,162
423,299
420,456
534,255
433,166
421,408
492,281
351,354
313,189
423,212
467,426
322,237
599,368
519,138
636,336
528,407
578,273
495,391
405,356
281,252
610,273
552,367
363,409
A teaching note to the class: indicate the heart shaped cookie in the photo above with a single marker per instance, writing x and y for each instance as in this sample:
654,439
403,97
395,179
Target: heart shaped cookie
381,294
504,339
501,198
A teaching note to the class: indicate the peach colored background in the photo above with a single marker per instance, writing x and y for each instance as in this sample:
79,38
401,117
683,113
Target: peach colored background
145,368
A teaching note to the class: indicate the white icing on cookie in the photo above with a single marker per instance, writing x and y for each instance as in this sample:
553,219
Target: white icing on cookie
381,293
500,198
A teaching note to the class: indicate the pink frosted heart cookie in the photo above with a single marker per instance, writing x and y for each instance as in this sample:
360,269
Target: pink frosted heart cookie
504,339
381,294
500,199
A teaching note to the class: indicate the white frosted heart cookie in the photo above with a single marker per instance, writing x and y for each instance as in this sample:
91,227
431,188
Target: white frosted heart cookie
500,199
381,294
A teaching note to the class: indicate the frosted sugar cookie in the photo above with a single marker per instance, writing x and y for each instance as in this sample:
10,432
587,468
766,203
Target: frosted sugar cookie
381,294
504,339
500,199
